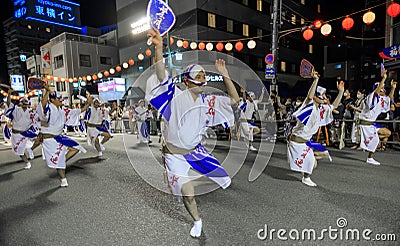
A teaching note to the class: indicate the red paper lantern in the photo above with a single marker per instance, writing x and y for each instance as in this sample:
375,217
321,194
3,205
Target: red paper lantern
118,68
185,44
202,46
317,24
74,79
347,23
58,79
220,46
45,79
239,46
84,78
171,40
106,73
148,52
131,62
393,10
308,34
94,77
51,77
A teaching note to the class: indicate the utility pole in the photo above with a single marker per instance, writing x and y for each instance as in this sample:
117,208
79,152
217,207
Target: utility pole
274,48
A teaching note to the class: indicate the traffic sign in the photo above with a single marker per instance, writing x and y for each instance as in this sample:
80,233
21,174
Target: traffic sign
269,59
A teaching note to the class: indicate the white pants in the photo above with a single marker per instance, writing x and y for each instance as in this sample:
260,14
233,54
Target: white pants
246,131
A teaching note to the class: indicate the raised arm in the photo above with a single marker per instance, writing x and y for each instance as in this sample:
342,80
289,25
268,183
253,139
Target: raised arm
158,43
243,91
311,91
87,104
262,95
382,83
340,87
220,65
10,91
393,84
45,98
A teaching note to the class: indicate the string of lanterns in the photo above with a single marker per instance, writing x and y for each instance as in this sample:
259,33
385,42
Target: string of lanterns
228,45
368,17
27,95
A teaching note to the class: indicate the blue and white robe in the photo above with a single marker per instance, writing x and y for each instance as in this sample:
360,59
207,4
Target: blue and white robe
374,105
309,118
186,120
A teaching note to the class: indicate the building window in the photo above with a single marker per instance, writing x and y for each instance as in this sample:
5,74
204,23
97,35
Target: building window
29,27
211,20
245,30
259,32
319,8
260,63
47,29
310,48
60,86
293,19
105,60
283,66
303,2
84,60
58,62
302,21
259,5
245,2
229,25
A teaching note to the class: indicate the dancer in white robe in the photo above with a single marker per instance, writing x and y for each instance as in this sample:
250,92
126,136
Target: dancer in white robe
140,115
95,128
313,113
374,104
57,149
23,133
187,113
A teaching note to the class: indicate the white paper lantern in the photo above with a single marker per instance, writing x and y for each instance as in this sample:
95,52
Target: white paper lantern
326,29
193,45
251,44
140,57
228,46
88,78
112,70
209,46
125,65
179,43
99,75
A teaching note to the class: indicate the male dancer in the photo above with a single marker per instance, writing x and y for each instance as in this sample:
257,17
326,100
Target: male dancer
313,113
95,128
247,108
375,104
187,113
140,115
23,133
53,117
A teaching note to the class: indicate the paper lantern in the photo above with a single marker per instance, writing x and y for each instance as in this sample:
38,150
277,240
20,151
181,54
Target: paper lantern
112,70
185,44
171,40
48,76
89,78
239,46
193,45
84,78
94,77
51,78
393,10
148,52
58,79
106,73
202,46
317,24
326,29
125,65
209,46
131,62
251,44
75,79
45,79
219,46
140,57
179,43
100,75
228,46
347,23
368,17
118,68
308,34
62,79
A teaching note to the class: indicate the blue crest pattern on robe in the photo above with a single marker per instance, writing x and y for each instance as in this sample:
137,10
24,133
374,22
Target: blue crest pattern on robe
7,132
304,113
144,130
64,140
162,102
205,163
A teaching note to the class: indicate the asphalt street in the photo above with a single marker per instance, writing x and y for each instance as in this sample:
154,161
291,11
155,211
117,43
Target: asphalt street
109,203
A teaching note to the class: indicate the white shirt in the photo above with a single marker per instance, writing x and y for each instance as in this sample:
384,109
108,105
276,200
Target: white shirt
250,108
374,105
58,117
21,119
310,118
188,118
105,112
96,115
140,113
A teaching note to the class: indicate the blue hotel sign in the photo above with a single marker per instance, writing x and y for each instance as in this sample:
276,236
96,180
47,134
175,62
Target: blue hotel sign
56,12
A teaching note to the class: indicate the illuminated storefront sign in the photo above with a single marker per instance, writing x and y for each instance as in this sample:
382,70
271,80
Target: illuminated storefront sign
57,12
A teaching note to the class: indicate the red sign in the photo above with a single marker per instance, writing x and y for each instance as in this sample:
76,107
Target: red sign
269,59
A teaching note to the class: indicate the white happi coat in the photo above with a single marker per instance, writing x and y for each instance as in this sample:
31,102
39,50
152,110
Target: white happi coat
309,119
374,105
21,121
53,121
247,110
140,115
186,121
95,116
